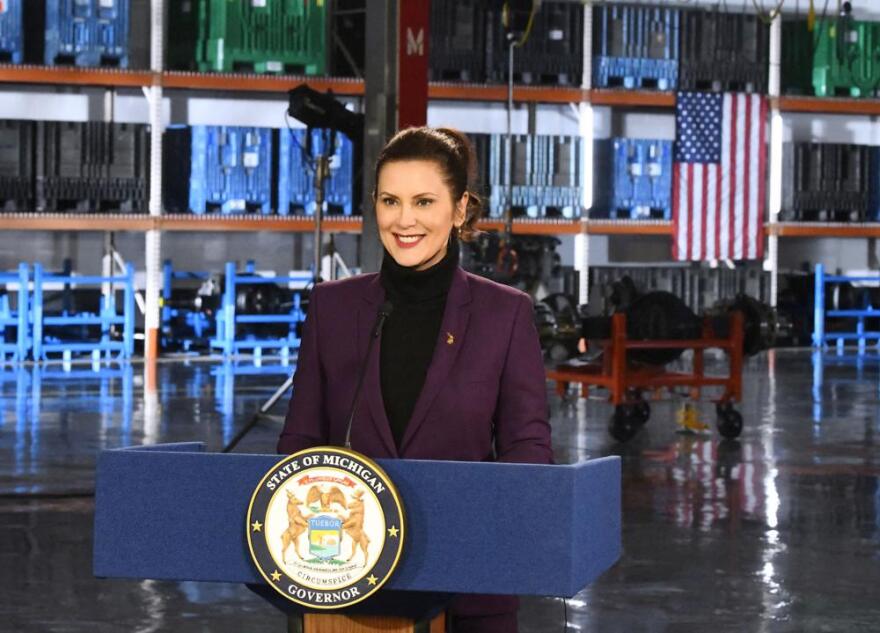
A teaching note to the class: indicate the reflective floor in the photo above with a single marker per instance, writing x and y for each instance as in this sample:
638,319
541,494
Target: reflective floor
778,531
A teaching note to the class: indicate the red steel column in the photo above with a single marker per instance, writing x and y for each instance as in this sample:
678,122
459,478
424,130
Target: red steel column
412,54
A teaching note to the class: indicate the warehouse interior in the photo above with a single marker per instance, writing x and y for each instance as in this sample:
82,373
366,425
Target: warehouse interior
689,191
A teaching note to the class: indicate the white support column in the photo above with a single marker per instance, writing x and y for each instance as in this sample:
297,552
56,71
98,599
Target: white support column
152,317
775,157
585,129
582,265
107,257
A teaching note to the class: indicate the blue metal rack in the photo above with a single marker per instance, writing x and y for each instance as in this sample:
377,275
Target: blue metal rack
860,335
87,32
11,31
227,338
642,179
108,317
15,317
636,47
296,175
200,326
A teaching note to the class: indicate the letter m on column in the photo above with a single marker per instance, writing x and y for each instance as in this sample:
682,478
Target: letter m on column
415,43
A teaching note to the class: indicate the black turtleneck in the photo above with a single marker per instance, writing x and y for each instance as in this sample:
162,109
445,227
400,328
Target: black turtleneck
410,332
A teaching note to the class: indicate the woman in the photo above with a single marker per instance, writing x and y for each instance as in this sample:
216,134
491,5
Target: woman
458,374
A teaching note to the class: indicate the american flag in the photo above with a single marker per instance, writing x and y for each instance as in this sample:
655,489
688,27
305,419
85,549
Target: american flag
719,182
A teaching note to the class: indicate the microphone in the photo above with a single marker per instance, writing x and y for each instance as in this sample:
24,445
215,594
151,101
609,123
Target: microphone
384,311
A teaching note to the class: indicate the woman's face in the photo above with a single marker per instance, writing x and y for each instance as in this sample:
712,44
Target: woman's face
415,212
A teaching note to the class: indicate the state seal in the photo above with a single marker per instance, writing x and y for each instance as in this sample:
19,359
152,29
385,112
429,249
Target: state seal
325,527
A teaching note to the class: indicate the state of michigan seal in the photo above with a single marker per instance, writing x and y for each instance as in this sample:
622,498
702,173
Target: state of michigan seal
325,527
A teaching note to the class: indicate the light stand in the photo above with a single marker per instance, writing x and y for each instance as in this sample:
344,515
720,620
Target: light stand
315,110
322,174
261,413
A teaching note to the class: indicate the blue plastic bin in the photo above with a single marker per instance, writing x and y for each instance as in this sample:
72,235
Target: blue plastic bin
231,170
87,33
11,31
635,47
296,175
642,173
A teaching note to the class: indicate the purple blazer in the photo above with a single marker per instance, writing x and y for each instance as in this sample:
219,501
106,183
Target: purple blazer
484,396
484,390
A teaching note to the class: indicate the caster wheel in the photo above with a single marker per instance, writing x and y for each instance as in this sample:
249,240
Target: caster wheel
624,423
642,411
730,421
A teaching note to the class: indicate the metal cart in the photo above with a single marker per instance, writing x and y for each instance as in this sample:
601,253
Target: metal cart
628,382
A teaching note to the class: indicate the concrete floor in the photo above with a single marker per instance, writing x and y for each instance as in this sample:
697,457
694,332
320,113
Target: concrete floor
778,531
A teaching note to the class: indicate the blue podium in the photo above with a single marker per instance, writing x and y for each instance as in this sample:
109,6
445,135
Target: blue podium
175,512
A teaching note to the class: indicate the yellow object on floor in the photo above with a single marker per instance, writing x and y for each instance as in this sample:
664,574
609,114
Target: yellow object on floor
688,419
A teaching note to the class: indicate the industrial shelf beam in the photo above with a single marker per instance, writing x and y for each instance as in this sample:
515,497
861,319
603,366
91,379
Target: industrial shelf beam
829,105
825,229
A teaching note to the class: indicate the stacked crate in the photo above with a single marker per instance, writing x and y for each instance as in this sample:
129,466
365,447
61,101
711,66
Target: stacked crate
840,57
633,179
11,31
831,182
296,173
17,140
723,51
218,168
269,36
797,57
635,46
86,32
456,46
552,54
348,45
540,176
91,167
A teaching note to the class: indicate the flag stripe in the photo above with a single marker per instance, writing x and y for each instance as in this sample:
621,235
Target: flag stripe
754,235
762,176
718,180
675,168
704,212
692,209
746,167
724,197
730,170
683,215
676,210
738,169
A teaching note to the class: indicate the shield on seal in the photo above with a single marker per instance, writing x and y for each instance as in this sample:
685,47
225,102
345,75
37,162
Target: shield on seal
325,537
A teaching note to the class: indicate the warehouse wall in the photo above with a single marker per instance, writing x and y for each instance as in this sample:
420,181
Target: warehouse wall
275,249
188,251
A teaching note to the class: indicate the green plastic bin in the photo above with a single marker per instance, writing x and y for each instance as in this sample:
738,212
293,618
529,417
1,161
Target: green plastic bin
262,36
850,67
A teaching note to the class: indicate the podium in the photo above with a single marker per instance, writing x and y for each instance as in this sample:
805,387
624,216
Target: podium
175,512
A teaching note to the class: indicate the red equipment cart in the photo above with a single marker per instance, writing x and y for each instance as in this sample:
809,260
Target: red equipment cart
627,382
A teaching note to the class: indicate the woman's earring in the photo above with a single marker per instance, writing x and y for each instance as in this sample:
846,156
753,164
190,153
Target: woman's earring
458,231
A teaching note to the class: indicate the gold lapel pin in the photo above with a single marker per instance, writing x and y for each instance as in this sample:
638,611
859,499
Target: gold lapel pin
449,338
